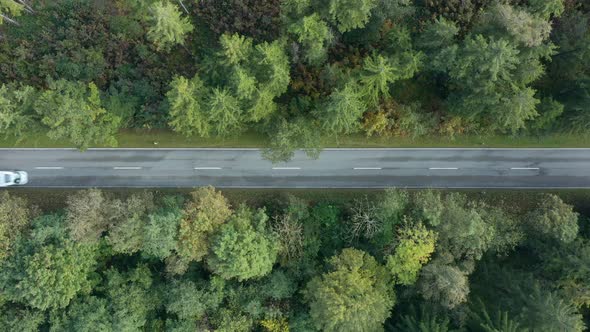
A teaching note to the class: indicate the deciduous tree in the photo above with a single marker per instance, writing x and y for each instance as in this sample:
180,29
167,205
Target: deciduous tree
244,248
354,295
47,269
554,219
414,246
86,215
202,217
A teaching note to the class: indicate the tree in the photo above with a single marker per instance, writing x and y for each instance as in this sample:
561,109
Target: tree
224,112
439,34
343,110
17,319
351,14
364,219
570,267
167,27
378,74
526,29
243,248
354,295
84,314
275,67
10,9
130,297
426,320
315,36
553,219
202,217
191,301
161,232
443,284
85,215
235,49
16,110
126,222
187,106
428,206
15,218
547,8
413,249
47,269
260,20
72,111
288,136
462,231
289,232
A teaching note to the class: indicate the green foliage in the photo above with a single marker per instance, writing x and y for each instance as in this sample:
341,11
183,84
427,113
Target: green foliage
85,314
438,34
73,111
468,261
17,319
290,136
16,110
167,27
191,301
462,231
86,215
351,14
315,36
547,8
47,269
130,298
554,219
126,221
443,284
353,296
187,99
15,218
225,113
413,249
235,49
161,232
424,321
526,29
243,248
343,110
10,9
202,218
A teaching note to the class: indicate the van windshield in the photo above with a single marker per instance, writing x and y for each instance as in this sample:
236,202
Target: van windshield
6,178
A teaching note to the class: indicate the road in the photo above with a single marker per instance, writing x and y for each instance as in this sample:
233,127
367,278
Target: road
336,168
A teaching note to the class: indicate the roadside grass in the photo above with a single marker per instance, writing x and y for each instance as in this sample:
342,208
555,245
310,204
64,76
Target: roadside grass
49,200
168,139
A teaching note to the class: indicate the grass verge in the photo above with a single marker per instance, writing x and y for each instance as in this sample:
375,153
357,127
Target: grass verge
168,139
55,199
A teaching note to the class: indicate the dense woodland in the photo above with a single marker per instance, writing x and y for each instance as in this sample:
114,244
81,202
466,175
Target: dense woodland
294,70
398,261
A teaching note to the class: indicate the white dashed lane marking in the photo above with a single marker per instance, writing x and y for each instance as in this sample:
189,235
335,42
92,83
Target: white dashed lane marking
49,167
126,167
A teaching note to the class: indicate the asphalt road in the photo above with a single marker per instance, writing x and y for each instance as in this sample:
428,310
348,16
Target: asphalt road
336,168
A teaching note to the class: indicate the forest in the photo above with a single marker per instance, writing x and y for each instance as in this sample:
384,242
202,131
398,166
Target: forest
293,70
394,260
